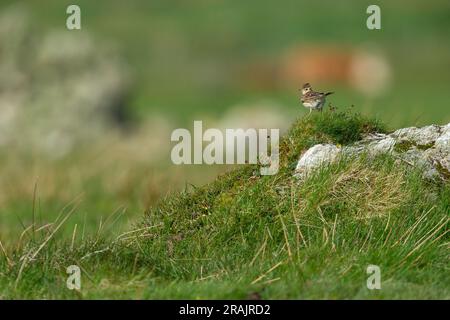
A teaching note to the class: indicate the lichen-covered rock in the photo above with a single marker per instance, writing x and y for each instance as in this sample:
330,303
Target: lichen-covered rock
427,148
422,137
373,144
315,157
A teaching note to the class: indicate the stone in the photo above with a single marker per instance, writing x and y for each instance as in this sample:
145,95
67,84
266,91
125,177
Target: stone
425,136
427,148
315,157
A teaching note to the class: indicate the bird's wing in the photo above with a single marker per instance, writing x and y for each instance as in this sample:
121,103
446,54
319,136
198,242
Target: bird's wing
314,95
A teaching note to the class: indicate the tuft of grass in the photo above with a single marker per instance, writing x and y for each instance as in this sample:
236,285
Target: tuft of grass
365,191
338,127
346,127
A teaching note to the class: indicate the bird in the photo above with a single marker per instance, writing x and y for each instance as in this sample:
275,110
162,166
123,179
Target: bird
312,99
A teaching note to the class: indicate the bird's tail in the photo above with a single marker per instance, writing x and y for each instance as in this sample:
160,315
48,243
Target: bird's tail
328,93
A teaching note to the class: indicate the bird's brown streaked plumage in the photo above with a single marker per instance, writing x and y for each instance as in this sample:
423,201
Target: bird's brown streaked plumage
312,99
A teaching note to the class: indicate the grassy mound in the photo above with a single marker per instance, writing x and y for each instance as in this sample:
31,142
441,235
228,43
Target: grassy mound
281,238
251,236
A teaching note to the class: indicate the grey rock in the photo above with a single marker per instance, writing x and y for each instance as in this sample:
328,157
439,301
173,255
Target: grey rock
373,144
315,157
425,136
427,148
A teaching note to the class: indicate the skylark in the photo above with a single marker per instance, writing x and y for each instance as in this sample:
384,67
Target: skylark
312,99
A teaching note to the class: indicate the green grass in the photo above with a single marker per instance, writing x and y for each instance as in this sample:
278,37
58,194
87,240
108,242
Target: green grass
272,235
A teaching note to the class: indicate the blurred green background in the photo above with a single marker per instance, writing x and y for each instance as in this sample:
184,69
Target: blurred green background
219,61
189,58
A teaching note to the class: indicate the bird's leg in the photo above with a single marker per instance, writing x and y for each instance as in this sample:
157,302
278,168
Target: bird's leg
310,110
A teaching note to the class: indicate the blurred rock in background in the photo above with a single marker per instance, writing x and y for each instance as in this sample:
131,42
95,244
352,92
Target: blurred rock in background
58,89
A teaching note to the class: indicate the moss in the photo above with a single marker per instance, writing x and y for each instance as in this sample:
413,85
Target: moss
444,172
424,147
403,146
406,145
